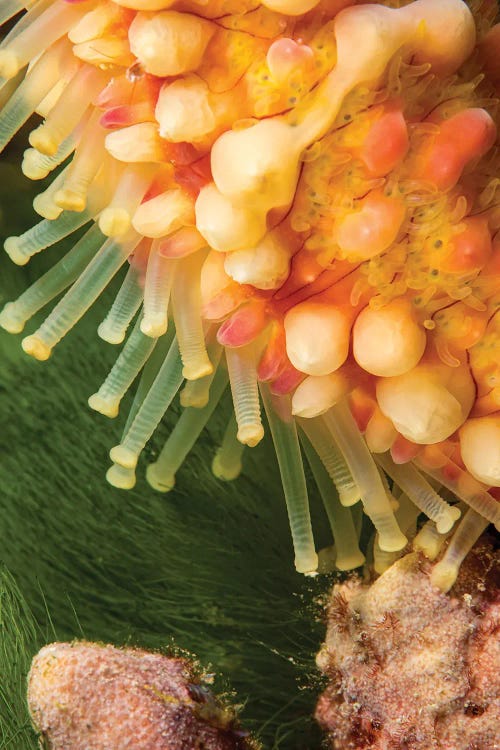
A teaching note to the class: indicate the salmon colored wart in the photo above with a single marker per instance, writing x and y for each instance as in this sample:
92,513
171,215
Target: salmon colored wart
305,196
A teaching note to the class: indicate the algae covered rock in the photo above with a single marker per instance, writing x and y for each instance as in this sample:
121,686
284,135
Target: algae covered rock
412,668
85,696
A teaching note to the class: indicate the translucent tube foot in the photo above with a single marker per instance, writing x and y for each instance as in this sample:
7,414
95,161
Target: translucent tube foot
350,561
109,334
224,472
444,576
69,200
114,222
158,481
107,408
198,371
326,559
120,477
123,457
36,348
12,246
10,320
227,463
307,565
154,327
429,541
251,434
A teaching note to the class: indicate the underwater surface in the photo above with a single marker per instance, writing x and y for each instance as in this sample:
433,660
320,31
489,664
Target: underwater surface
332,238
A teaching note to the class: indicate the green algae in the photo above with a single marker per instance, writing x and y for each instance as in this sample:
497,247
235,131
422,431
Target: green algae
207,568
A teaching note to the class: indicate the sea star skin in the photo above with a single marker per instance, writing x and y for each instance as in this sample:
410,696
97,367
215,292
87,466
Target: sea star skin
322,226
86,696
411,668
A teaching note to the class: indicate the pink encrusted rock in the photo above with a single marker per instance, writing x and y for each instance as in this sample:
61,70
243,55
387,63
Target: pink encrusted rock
411,668
85,696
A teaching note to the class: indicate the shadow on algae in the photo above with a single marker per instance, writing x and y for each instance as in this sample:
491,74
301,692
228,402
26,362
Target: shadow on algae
206,569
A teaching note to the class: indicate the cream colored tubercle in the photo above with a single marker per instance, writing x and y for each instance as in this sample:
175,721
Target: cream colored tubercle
256,169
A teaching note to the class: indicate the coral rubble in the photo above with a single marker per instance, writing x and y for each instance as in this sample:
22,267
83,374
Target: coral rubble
411,668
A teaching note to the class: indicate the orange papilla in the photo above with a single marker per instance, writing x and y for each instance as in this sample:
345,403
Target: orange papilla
221,295
217,8
363,405
403,450
285,55
288,379
183,167
458,327
194,176
183,242
129,89
492,267
471,249
435,456
274,358
123,116
119,27
163,180
304,270
465,136
372,227
244,325
330,8
386,143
